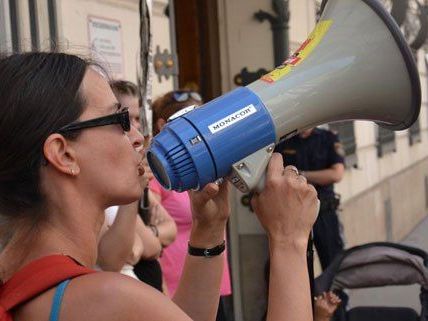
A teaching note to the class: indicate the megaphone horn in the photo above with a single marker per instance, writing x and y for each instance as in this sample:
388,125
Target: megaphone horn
354,65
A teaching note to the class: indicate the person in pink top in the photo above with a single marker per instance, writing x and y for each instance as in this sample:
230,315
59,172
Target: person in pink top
178,206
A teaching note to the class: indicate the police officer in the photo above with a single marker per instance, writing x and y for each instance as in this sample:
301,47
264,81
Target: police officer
319,156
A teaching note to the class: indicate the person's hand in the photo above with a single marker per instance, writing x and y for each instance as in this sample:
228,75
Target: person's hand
211,204
288,206
156,216
210,212
325,305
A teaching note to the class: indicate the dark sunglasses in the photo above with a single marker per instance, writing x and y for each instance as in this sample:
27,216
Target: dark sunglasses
121,117
182,96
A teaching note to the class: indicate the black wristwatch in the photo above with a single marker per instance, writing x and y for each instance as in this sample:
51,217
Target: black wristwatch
214,251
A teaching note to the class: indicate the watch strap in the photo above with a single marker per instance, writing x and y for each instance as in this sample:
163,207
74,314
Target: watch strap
207,252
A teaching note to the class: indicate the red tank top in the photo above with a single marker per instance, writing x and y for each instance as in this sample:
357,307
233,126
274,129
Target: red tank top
35,278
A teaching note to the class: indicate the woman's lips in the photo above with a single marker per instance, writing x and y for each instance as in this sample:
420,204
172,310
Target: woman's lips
140,168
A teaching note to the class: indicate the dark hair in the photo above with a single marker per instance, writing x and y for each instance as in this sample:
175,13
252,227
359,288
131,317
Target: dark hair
124,87
166,106
39,94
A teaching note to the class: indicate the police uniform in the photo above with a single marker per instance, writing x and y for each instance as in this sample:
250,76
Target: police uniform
320,150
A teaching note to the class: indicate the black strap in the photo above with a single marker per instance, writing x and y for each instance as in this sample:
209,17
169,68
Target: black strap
214,251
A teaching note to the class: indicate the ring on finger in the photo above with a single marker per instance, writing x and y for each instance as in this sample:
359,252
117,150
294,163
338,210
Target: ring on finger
302,178
291,168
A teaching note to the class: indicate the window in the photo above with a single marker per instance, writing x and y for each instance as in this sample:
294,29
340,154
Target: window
34,26
346,132
14,26
53,30
39,13
4,26
385,141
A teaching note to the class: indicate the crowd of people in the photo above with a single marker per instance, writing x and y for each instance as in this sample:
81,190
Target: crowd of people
78,204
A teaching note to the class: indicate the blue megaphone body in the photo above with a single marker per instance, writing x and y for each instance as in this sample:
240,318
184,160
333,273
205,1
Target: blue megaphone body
200,146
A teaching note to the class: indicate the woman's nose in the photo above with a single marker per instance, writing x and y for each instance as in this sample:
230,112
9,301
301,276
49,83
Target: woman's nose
137,139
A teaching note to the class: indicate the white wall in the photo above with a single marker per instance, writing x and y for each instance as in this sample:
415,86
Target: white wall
73,30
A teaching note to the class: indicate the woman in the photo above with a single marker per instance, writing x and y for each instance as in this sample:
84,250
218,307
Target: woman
178,206
63,140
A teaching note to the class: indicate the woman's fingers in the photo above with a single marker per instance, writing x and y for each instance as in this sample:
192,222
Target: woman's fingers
275,168
207,193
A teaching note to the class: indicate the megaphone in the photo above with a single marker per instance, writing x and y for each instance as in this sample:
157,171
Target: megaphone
354,65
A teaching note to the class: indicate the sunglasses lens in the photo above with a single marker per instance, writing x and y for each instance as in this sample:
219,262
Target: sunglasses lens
125,122
181,96
195,96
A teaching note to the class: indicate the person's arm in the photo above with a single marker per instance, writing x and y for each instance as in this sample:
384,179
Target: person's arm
328,176
151,243
115,245
198,292
162,221
137,250
287,209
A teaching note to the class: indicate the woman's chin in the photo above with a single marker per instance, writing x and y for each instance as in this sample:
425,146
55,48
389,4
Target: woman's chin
130,197
137,192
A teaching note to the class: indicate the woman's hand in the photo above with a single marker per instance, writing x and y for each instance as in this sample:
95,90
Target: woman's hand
210,212
288,206
211,204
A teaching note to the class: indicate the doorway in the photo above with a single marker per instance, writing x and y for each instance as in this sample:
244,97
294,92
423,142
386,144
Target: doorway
197,39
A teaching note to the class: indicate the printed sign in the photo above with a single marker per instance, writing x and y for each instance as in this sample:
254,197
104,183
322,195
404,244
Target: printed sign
105,40
232,119
304,51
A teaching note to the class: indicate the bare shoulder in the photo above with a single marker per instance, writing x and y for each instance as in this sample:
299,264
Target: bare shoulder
108,296
114,296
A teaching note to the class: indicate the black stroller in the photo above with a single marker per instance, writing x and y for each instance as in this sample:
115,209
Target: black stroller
375,265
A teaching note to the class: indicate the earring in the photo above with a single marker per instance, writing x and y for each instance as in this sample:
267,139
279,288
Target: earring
72,171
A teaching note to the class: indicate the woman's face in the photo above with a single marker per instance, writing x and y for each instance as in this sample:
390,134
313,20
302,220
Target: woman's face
107,156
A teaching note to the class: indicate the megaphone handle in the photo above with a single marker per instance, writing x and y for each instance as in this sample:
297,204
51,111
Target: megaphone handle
261,184
249,174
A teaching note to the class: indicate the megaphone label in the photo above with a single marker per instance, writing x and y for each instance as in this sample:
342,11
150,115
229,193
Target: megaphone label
232,119
304,51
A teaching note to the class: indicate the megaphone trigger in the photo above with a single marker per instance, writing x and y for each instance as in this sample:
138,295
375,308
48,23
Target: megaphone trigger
249,173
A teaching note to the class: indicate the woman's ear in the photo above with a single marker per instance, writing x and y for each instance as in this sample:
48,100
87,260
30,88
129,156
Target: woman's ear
160,123
61,155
